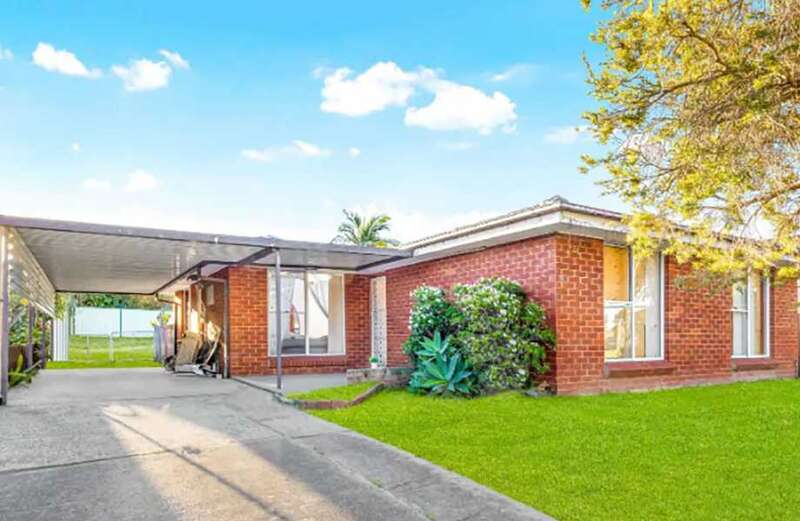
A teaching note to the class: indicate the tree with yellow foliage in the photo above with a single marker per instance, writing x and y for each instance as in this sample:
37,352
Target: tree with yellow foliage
699,109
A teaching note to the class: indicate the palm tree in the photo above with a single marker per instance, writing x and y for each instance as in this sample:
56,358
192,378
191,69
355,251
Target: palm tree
364,231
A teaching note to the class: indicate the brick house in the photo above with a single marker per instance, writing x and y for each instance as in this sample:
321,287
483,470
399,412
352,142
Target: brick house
621,323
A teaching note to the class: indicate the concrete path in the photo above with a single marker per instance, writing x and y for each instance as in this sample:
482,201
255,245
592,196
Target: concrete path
140,444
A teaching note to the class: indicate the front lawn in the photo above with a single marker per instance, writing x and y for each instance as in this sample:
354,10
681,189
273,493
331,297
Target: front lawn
342,392
722,452
93,352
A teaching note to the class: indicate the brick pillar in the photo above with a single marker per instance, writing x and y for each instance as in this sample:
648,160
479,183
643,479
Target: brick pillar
784,325
579,357
247,310
358,320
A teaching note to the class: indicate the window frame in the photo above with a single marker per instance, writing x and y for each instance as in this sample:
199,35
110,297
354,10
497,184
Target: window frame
766,292
272,350
631,305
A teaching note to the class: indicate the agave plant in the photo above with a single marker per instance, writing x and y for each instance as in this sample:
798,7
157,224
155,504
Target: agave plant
444,374
430,348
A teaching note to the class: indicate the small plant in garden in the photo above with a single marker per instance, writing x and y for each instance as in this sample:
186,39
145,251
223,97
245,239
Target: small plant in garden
374,361
20,375
445,374
430,348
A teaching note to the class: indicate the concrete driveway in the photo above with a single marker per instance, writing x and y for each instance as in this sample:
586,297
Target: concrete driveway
140,444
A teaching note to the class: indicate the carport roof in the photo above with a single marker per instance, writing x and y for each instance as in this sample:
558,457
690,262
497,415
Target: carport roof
84,257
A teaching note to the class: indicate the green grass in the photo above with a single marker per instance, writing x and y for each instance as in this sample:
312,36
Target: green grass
128,352
722,452
343,392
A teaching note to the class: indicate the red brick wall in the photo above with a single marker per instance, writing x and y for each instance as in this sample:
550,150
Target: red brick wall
358,321
530,262
248,321
247,293
579,356
699,339
565,275
784,324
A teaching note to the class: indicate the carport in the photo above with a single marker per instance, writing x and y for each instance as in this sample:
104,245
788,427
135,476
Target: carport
40,257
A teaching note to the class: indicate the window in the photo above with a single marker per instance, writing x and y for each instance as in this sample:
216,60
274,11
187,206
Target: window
632,290
750,317
312,313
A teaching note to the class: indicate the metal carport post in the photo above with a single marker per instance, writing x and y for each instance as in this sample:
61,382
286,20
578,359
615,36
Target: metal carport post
278,324
4,316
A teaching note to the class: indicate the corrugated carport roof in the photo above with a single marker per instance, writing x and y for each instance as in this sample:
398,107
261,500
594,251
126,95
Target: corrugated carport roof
83,257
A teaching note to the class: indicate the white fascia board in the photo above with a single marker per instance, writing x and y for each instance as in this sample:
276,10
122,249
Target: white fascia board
561,221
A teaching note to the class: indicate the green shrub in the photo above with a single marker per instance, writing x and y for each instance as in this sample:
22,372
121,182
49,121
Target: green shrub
503,336
500,338
430,312
447,373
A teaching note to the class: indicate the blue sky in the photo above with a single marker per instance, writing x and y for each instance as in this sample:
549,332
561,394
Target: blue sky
270,117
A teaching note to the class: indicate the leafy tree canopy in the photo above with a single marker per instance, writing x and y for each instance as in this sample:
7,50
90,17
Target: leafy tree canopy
364,230
109,300
699,106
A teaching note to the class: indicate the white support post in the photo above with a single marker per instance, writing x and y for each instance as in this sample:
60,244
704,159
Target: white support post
226,325
4,247
278,324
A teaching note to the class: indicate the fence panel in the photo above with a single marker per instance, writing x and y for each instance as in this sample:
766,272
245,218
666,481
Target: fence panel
60,340
121,322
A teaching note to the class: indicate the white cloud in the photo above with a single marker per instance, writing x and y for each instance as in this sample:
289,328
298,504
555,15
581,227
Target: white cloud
382,85
143,74
354,151
76,147
320,72
566,135
6,54
457,107
296,148
385,84
141,181
515,72
175,59
310,149
61,61
96,185
456,146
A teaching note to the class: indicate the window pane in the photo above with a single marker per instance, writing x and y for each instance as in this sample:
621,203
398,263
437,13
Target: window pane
325,313
647,315
739,333
615,273
318,309
293,311
740,296
617,332
757,313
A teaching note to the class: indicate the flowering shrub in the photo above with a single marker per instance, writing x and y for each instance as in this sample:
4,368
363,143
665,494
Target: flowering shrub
503,336
489,324
430,312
